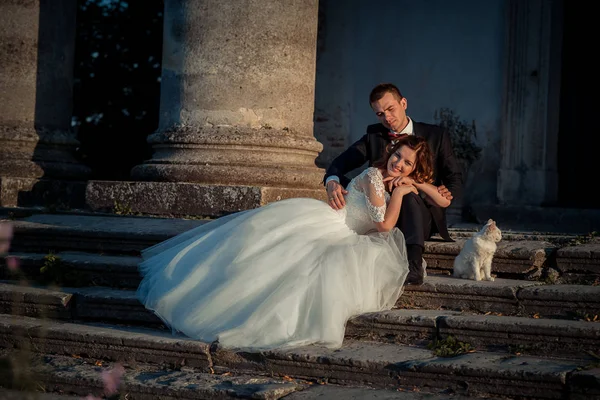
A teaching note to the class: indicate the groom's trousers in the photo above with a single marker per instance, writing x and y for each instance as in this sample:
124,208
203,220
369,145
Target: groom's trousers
415,222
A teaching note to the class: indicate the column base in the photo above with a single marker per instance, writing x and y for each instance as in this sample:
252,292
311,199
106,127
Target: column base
37,153
235,156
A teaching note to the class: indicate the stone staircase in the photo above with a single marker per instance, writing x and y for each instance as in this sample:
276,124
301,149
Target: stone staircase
70,312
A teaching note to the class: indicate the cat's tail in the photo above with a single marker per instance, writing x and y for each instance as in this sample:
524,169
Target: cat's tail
462,273
458,274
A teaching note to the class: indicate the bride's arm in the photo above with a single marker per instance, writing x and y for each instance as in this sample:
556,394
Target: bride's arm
431,191
384,217
393,209
432,194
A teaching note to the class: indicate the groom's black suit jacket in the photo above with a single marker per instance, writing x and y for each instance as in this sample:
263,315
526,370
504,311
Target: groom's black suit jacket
371,147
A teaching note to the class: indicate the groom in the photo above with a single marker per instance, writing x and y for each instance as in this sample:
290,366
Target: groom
418,219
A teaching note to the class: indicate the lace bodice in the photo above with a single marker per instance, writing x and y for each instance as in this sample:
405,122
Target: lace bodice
366,201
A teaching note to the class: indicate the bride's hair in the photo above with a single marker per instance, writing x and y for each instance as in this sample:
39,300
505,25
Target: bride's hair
423,172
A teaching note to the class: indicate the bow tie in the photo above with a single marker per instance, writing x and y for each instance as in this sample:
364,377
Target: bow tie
396,136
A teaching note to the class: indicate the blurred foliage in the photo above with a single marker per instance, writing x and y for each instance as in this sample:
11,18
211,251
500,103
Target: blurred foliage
55,272
118,57
462,134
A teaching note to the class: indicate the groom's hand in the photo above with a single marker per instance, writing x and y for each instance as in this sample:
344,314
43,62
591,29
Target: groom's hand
443,190
335,195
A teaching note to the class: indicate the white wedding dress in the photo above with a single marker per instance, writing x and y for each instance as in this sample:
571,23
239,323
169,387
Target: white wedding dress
287,274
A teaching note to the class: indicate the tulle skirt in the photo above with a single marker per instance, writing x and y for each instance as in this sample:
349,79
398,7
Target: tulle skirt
284,275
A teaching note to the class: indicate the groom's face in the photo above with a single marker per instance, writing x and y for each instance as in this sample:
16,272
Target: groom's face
391,112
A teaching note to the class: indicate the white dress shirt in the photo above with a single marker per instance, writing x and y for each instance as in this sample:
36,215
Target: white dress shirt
408,129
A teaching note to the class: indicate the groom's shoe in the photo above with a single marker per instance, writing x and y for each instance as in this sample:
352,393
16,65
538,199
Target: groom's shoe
416,264
416,272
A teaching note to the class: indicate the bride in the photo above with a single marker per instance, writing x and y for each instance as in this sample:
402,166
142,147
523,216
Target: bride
293,272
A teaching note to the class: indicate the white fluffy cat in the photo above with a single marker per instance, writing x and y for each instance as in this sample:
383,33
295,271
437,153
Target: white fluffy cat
475,258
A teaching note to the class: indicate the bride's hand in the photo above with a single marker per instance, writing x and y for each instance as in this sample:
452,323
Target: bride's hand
398,181
404,189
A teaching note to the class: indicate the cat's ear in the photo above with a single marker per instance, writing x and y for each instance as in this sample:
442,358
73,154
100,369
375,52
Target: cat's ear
489,221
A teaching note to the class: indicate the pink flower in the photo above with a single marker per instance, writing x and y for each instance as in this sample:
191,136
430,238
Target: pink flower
112,379
12,263
6,235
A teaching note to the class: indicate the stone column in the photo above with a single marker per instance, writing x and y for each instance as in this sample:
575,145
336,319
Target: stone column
237,96
37,40
528,174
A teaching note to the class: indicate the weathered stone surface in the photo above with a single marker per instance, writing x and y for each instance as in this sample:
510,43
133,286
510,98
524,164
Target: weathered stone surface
400,326
565,338
52,194
46,232
86,269
35,302
391,365
492,374
584,385
233,155
560,299
253,123
333,392
580,263
103,342
570,338
188,199
7,394
588,250
356,363
36,76
104,304
107,226
77,377
461,294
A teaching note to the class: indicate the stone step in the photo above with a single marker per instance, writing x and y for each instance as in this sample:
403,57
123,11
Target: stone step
72,377
508,296
537,336
78,376
99,234
78,269
520,259
357,363
573,264
13,394
522,255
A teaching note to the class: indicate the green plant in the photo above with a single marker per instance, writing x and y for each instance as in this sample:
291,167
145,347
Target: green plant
583,239
462,134
54,271
122,209
449,347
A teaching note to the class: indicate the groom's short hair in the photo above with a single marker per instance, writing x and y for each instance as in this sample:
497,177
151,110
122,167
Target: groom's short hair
380,90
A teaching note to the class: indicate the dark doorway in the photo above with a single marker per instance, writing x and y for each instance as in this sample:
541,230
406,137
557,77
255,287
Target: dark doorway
577,154
117,83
